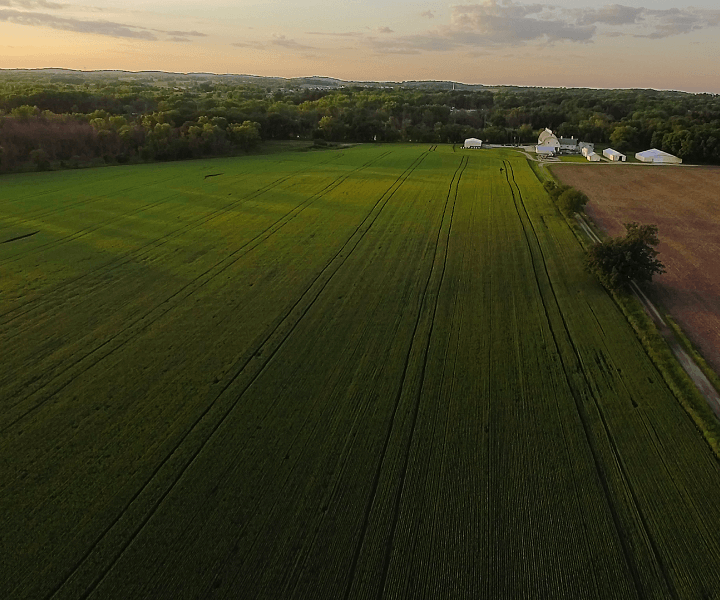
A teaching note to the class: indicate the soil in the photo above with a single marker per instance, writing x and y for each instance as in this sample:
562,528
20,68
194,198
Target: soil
685,205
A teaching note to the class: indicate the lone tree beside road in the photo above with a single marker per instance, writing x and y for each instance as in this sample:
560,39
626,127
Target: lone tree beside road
618,261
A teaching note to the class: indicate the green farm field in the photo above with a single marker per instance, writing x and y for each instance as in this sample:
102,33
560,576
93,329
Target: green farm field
377,372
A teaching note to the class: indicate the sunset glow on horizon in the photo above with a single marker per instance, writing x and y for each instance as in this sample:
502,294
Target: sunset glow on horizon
563,44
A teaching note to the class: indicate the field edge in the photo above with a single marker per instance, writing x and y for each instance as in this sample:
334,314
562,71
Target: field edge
656,347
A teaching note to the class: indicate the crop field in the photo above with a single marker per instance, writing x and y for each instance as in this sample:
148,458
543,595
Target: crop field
685,205
377,372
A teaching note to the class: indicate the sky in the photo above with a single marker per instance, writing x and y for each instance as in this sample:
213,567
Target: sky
661,44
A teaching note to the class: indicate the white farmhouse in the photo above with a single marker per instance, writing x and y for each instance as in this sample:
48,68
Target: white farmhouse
614,155
472,143
569,144
656,156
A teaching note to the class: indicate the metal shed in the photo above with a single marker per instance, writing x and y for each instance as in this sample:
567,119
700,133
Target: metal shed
614,155
656,156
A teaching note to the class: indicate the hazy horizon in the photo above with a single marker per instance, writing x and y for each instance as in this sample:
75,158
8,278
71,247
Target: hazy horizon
671,46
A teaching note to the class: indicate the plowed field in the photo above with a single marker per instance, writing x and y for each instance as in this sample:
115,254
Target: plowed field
685,205
372,373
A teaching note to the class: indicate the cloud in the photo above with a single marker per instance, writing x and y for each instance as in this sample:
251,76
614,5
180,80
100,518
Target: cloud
505,23
384,30
657,23
284,42
675,21
428,14
611,14
494,23
399,48
277,40
255,45
502,23
31,4
183,33
107,28
336,34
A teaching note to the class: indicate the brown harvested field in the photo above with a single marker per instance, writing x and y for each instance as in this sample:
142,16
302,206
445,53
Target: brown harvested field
684,202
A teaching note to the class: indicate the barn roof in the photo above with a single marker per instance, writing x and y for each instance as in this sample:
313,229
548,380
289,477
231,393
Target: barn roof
653,152
613,152
546,136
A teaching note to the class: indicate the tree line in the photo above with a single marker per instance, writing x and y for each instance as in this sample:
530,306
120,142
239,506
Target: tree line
65,121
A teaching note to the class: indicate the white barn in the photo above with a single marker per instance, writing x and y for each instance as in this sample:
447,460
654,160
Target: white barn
614,155
592,156
547,143
472,143
656,156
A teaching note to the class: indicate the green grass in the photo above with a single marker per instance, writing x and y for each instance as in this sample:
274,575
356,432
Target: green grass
369,372
694,352
573,158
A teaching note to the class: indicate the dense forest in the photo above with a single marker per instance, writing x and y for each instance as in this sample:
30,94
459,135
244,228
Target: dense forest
55,119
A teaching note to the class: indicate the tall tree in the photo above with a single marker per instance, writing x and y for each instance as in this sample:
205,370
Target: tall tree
618,261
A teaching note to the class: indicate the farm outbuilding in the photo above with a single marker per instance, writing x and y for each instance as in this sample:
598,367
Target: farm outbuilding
656,156
593,156
614,155
472,143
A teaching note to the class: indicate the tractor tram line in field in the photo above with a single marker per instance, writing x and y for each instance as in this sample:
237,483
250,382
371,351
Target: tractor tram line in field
85,231
454,183
137,254
32,216
360,541
614,460
252,363
146,319
283,220
387,378
386,197
576,393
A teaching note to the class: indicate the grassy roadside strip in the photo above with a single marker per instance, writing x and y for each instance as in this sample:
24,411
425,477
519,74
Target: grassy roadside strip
674,375
657,348
540,172
690,348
